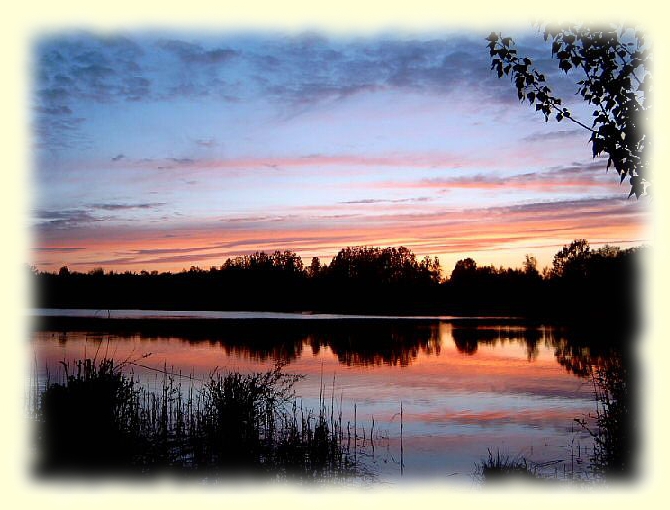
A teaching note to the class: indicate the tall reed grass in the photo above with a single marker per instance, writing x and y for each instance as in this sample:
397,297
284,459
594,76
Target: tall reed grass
99,418
503,467
615,430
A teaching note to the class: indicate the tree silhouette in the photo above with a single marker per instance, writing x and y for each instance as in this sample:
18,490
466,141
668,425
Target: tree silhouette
464,268
530,267
583,284
314,267
614,65
571,259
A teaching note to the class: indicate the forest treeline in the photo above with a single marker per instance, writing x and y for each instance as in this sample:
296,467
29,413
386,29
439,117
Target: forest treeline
582,284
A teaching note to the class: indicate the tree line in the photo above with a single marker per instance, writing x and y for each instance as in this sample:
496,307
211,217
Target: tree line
582,283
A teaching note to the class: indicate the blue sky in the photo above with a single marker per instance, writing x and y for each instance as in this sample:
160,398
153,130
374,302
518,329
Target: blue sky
162,150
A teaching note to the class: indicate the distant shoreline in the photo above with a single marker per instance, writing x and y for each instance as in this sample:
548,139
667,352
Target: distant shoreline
256,327
234,315
583,288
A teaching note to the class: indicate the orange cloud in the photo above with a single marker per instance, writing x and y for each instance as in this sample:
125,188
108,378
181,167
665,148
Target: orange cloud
320,231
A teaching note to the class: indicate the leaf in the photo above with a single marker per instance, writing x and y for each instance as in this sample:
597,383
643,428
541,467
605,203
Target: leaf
565,65
608,85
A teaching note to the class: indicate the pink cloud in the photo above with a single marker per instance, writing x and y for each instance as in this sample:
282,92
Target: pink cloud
435,231
508,158
572,178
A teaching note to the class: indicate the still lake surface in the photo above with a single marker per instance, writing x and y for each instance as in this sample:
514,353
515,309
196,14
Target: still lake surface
465,386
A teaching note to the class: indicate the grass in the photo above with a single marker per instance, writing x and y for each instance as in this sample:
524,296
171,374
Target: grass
98,419
612,427
500,468
614,431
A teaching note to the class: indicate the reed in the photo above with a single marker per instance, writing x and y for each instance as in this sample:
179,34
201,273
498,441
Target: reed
503,467
98,418
613,428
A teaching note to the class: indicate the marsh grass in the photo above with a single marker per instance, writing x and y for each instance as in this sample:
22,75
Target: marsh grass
501,468
612,427
99,419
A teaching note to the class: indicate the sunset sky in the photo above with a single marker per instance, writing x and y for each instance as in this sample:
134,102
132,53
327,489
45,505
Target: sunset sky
162,150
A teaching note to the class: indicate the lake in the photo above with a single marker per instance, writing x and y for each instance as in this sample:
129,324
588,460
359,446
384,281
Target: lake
465,386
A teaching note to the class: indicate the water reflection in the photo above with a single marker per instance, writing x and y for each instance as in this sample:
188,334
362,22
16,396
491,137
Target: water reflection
468,338
353,342
467,384
381,343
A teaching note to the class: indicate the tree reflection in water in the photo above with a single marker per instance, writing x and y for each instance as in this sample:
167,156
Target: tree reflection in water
598,355
605,358
377,344
610,365
353,341
468,338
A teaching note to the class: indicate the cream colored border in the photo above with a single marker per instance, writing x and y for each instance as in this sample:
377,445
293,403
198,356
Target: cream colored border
22,20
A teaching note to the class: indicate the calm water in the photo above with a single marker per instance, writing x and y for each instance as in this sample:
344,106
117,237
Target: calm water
464,387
